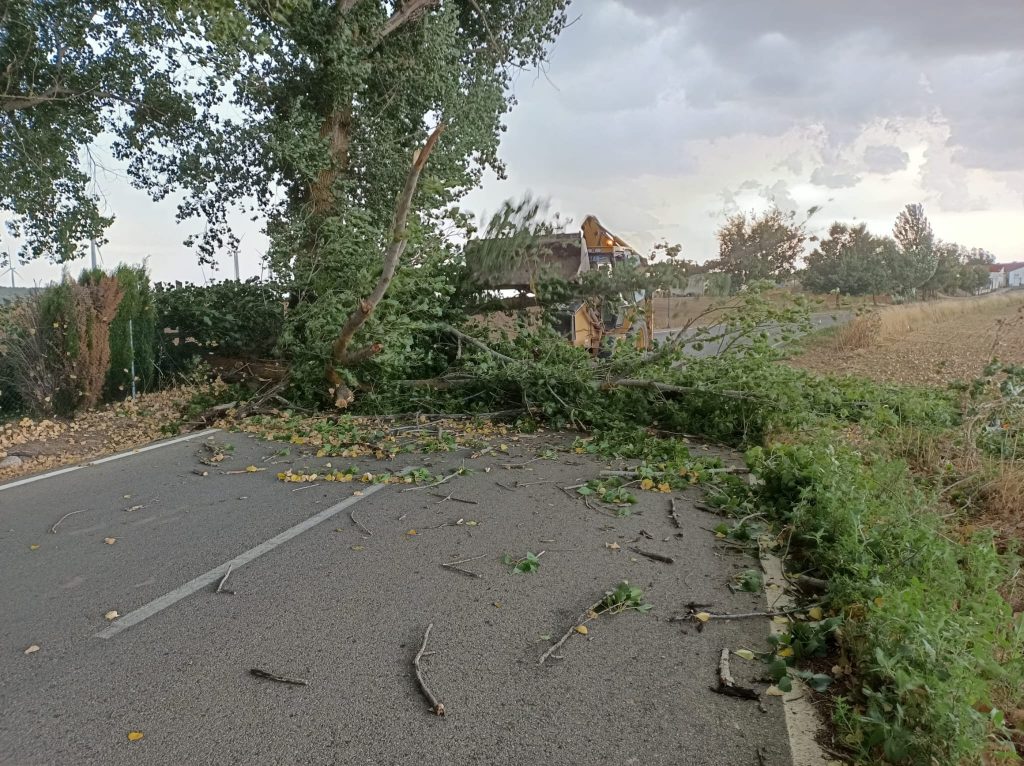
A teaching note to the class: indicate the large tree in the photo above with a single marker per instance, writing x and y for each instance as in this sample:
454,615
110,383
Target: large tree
324,117
759,247
142,72
850,260
915,262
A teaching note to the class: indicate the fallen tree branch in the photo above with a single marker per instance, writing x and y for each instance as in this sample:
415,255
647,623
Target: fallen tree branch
726,684
53,529
280,679
449,496
668,388
476,343
672,513
352,515
435,705
585,618
809,584
741,615
450,476
654,556
223,581
454,565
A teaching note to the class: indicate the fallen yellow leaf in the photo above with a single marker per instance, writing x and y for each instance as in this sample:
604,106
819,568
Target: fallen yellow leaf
785,651
646,484
702,616
110,540
780,620
135,736
32,649
664,487
33,547
253,469
815,613
358,548
111,615
612,546
412,532
358,492
744,653
774,691
582,630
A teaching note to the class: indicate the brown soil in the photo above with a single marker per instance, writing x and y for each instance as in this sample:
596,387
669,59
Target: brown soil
956,348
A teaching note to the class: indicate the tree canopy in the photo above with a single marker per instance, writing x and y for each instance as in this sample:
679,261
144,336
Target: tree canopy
851,260
143,74
759,247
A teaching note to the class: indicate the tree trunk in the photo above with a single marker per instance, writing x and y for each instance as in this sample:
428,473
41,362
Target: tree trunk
340,354
337,129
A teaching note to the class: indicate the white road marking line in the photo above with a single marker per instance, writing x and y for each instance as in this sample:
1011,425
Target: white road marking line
176,595
100,461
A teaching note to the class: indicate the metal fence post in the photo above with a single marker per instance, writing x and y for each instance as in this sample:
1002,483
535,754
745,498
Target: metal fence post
131,349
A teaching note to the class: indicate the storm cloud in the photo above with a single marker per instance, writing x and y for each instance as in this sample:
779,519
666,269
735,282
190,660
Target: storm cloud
661,115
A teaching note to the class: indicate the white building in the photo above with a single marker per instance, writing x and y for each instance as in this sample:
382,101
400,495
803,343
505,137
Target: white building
1015,276
996,277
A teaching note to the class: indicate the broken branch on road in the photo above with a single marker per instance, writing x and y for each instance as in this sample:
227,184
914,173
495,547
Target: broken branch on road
726,684
352,515
436,707
454,565
53,529
672,513
280,679
223,581
654,556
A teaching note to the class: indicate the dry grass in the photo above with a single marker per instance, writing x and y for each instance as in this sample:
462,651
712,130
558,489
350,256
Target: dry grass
895,322
924,343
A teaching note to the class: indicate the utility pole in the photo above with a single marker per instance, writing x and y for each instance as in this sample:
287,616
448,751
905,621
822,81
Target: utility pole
92,247
237,278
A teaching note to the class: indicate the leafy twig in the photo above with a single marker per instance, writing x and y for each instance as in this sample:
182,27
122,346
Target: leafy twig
591,610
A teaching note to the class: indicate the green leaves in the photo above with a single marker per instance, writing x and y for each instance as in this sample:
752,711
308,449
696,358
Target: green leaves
623,597
526,565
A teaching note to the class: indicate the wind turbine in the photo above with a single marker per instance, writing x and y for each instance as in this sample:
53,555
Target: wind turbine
10,270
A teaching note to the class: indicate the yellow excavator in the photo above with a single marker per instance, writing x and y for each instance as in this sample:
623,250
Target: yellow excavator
568,256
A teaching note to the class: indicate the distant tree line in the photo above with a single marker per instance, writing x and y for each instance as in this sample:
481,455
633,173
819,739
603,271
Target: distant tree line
851,260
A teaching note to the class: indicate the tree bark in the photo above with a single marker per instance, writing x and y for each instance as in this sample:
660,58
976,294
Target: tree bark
337,129
340,354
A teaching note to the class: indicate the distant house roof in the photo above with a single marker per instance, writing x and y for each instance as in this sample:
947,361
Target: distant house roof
507,264
1006,267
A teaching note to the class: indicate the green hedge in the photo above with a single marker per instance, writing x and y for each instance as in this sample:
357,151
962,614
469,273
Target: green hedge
231,318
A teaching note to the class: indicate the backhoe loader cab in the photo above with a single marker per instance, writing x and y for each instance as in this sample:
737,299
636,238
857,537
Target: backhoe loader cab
568,256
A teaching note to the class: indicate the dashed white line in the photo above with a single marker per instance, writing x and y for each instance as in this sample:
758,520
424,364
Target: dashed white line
203,580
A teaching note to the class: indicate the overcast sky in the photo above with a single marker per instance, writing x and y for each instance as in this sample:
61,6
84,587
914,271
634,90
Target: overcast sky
663,116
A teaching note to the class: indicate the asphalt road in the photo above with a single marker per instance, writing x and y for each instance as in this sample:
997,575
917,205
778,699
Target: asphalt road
347,612
819,320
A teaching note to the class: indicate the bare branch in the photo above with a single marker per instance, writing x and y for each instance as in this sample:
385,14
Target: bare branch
409,11
399,238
